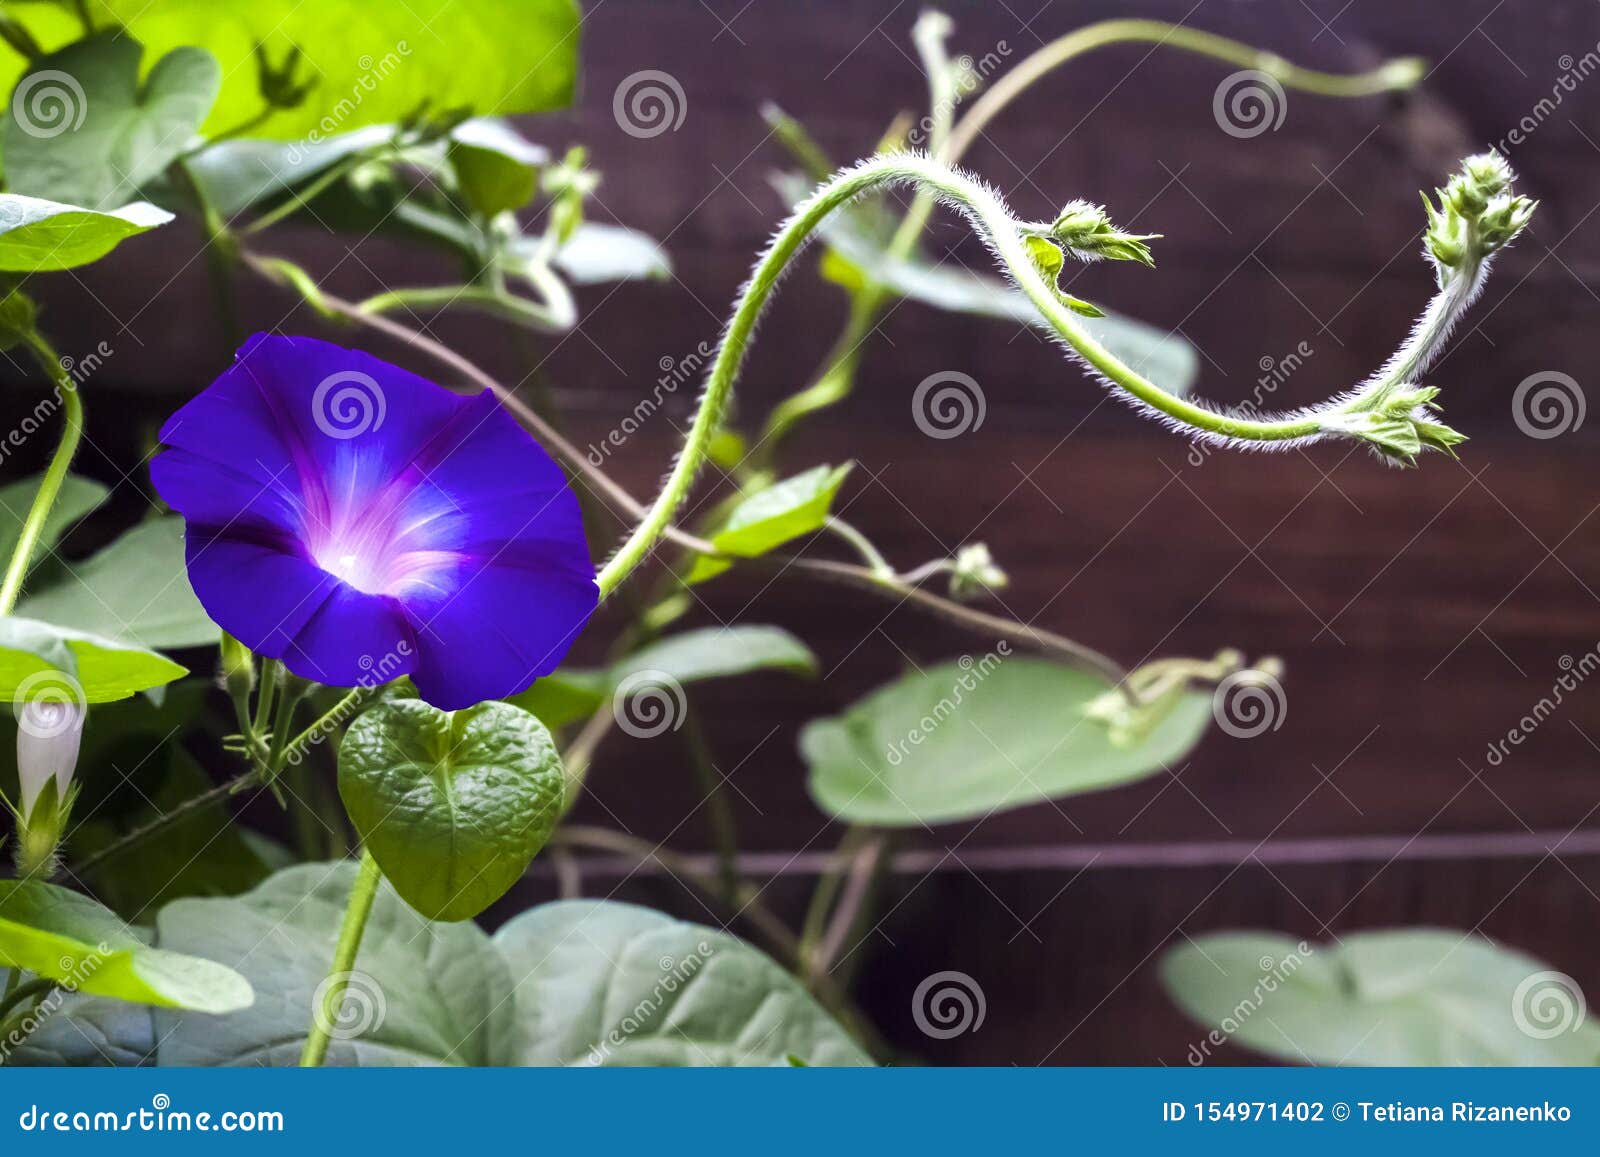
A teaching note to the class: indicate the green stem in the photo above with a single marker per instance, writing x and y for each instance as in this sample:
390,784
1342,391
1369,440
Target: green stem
297,200
991,218
357,909
557,313
339,712
862,545
949,144
54,476
719,812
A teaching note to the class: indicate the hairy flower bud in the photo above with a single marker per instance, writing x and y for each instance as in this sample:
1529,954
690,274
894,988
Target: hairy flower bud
1086,231
1477,214
975,573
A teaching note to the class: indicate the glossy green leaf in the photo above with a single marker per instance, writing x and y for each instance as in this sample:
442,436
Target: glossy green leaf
78,497
104,669
82,128
65,936
1405,996
1165,358
422,993
771,517
452,804
136,589
39,236
708,653
598,253
963,740
495,166
612,984
371,63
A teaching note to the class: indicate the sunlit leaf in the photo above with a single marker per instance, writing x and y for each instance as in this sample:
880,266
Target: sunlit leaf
42,236
32,653
771,517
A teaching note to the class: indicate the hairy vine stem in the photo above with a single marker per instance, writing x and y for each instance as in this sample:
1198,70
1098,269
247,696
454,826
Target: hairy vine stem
1006,238
949,143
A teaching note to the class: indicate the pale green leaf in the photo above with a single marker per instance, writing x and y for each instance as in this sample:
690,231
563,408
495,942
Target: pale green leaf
78,496
136,589
423,993
612,984
598,253
963,740
1404,996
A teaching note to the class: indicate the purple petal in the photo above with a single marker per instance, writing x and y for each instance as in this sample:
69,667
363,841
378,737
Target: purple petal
358,522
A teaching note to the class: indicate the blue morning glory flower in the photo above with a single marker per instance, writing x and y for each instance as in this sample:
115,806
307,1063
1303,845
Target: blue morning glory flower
361,523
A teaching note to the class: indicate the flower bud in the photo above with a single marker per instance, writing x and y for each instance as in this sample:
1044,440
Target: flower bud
975,573
238,667
1088,234
49,733
1477,214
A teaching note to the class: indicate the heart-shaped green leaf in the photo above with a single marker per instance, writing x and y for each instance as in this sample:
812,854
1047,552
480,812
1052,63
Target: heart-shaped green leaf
103,670
612,984
81,128
452,804
1404,996
962,740
771,517
38,236
67,937
135,589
